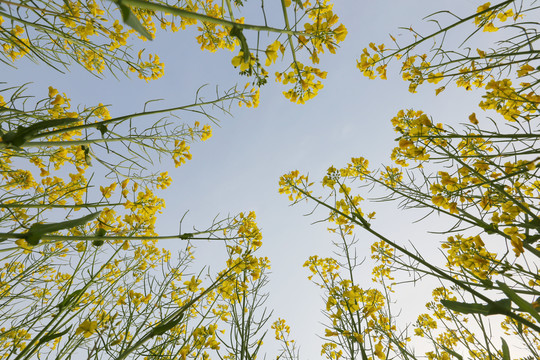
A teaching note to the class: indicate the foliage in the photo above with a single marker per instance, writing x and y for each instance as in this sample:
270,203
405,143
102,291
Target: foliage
482,176
82,272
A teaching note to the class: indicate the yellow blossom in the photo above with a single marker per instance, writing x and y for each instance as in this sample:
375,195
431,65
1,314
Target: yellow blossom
87,328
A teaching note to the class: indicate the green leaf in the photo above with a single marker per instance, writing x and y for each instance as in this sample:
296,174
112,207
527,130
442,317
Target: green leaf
452,352
23,134
36,231
102,129
496,307
491,228
500,307
53,336
131,20
363,351
98,243
488,284
99,232
299,3
163,328
506,351
536,304
465,308
237,32
519,301
69,299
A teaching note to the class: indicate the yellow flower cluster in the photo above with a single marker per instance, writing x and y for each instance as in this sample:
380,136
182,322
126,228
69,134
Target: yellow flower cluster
214,36
355,313
505,100
486,17
182,22
87,328
424,323
417,132
391,176
272,52
181,152
163,180
322,31
291,183
203,133
205,337
326,268
251,99
14,338
304,78
470,254
18,46
248,231
367,62
281,329
149,70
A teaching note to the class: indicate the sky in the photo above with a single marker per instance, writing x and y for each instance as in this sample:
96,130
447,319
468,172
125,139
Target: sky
239,167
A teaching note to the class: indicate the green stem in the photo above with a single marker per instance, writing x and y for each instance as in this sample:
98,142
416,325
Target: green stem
54,13
40,144
176,314
474,136
64,312
146,113
444,30
49,206
4,236
436,271
289,37
204,18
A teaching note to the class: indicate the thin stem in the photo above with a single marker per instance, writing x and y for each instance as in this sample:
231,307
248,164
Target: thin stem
205,18
436,271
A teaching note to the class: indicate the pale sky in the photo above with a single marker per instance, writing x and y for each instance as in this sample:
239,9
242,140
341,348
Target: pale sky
239,167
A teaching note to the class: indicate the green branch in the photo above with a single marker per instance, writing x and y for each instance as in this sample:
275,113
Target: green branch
204,18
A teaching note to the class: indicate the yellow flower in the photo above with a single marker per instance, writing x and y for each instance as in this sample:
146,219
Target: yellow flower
206,132
341,33
503,16
59,100
193,284
271,52
481,53
23,244
483,7
163,180
107,192
81,246
328,333
52,92
473,119
435,78
489,27
239,61
524,70
87,328
379,351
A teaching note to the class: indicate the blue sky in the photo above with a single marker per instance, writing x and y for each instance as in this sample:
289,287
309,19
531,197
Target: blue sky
239,167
